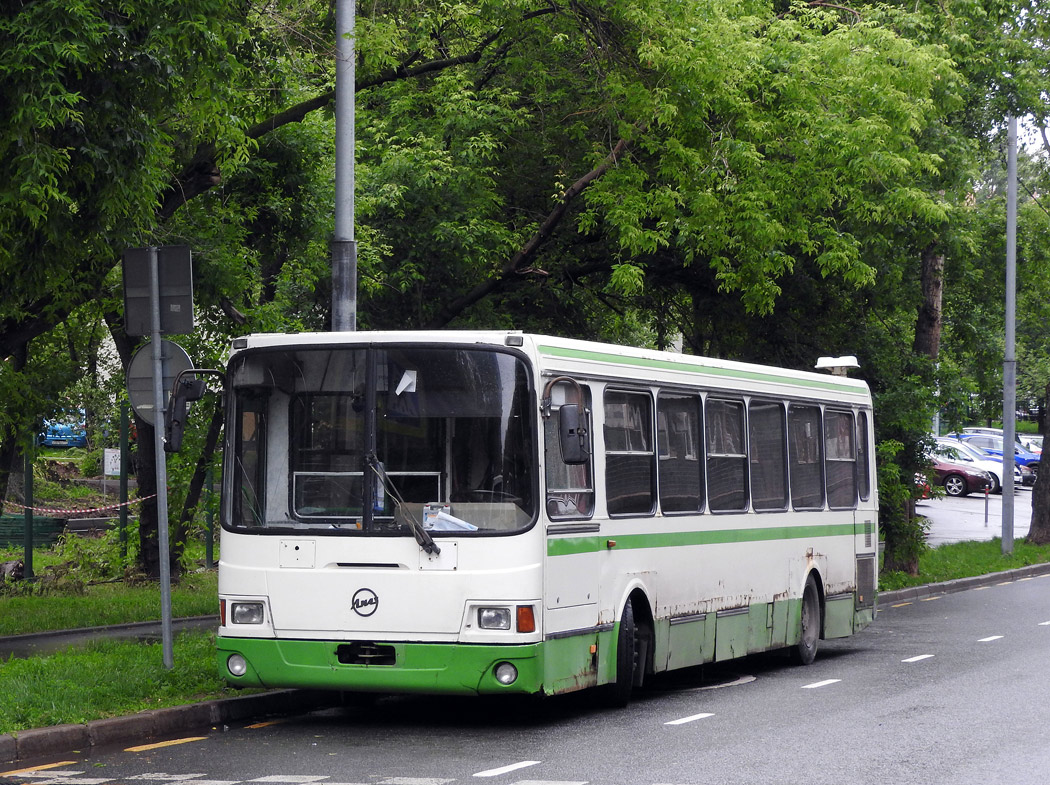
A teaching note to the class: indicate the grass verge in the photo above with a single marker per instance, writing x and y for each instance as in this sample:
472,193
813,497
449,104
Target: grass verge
196,594
965,560
107,679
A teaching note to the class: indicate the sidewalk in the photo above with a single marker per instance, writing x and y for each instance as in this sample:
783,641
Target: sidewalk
160,723
155,724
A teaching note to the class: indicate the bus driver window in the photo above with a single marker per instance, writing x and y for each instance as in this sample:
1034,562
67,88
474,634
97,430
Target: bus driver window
570,486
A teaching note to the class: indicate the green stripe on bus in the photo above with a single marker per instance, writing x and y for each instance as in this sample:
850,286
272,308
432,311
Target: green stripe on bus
567,546
675,365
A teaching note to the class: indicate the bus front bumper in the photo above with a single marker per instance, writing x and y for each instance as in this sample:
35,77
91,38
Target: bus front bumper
426,668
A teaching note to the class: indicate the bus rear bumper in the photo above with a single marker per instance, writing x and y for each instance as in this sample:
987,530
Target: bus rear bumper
425,668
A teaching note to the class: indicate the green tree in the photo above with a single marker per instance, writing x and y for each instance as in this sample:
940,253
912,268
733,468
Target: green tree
618,170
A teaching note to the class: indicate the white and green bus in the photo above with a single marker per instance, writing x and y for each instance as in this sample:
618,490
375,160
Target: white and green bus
498,512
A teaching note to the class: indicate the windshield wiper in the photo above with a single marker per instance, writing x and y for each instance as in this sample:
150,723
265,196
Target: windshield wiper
426,542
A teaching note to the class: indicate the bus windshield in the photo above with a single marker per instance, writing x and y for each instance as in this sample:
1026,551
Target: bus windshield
381,440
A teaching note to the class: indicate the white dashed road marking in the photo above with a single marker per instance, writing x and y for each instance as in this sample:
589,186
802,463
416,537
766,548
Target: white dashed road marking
916,659
692,718
505,769
818,684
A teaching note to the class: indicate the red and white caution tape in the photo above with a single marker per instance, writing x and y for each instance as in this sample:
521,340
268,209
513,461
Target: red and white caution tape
71,511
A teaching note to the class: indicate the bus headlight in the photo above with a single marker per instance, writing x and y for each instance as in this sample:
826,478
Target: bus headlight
506,673
246,612
237,665
494,618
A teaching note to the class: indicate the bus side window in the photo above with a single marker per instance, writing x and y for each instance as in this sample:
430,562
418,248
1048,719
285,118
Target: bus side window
570,487
768,441
679,438
630,476
841,459
806,458
863,457
726,458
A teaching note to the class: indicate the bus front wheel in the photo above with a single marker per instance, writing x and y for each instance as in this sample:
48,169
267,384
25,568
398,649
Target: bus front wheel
805,651
619,692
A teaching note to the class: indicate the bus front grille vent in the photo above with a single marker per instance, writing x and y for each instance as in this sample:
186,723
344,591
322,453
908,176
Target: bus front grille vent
363,653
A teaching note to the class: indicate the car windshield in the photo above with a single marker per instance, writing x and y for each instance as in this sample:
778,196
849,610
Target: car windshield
952,453
383,441
965,449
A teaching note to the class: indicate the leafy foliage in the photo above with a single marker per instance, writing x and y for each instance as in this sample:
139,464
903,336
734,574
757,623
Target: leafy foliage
757,179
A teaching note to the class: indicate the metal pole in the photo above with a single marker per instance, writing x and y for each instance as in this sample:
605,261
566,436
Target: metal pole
1010,358
344,247
209,542
161,459
124,479
27,493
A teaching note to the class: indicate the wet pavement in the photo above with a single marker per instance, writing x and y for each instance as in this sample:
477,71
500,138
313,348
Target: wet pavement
974,517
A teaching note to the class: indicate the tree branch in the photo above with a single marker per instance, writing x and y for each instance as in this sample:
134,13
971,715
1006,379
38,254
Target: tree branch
202,172
517,263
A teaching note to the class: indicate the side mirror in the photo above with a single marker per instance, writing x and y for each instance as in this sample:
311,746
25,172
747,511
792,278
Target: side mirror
185,390
573,421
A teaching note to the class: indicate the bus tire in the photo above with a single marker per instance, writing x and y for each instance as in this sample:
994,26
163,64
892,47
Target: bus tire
805,651
619,692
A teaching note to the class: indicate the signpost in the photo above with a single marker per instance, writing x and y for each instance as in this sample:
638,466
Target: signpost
173,360
110,467
158,298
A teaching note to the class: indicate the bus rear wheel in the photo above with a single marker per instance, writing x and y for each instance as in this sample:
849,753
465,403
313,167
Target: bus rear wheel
805,651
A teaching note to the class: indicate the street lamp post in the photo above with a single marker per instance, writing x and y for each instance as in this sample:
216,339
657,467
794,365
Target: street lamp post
344,247
1010,357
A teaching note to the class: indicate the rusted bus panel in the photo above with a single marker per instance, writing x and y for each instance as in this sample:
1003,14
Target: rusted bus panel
687,639
838,615
575,662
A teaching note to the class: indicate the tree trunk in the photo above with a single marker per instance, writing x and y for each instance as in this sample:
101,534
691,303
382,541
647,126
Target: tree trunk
12,444
906,539
146,474
903,547
9,455
1039,530
193,495
928,324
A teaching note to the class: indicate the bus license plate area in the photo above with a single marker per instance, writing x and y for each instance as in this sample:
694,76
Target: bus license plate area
365,653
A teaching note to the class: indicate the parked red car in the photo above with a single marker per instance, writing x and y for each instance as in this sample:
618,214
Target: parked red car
957,479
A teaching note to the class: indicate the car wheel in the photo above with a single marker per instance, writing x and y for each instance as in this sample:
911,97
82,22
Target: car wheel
994,486
955,485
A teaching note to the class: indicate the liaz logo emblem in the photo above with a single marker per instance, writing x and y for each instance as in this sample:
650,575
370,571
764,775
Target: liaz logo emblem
365,602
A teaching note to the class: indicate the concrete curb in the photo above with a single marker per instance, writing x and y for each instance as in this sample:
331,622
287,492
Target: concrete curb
159,723
961,584
180,623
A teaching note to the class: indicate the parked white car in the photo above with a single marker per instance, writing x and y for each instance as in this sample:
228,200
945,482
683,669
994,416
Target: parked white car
1032,442
956,451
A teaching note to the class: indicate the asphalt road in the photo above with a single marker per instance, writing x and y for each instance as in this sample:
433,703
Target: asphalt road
964,517
949,690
